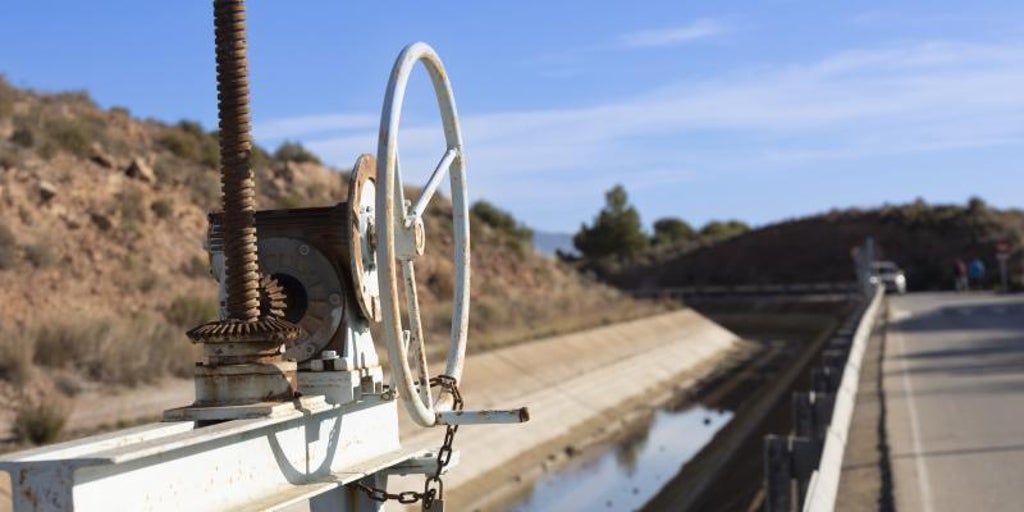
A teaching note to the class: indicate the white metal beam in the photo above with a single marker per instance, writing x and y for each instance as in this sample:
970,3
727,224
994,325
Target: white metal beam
239,464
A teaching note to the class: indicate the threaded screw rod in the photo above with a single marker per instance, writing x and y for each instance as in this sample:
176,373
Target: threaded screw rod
238,186
263,334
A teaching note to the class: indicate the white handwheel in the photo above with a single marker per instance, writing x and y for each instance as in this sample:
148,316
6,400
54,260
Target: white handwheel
400,237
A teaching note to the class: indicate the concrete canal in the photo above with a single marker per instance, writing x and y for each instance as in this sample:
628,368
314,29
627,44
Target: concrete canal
702,450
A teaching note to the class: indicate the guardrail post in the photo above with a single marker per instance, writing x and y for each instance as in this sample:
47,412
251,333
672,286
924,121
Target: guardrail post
824,380
788,458
840,343
834,358
778,474
812,413
806,453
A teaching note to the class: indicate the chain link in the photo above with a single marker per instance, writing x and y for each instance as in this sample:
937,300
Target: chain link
433,487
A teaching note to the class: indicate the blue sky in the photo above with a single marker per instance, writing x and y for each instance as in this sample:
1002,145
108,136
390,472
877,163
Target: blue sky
702,110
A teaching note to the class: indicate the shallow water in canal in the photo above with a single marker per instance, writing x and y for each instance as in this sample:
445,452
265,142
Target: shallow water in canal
625,475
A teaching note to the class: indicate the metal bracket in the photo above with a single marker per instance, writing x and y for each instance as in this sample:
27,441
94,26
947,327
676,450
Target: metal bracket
484,417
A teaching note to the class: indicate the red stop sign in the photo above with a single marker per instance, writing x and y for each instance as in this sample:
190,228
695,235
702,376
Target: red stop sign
1002,249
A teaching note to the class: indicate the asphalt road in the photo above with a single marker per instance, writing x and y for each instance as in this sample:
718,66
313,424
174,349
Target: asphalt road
954,387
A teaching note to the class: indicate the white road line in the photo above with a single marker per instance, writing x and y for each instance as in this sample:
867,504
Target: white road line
923,480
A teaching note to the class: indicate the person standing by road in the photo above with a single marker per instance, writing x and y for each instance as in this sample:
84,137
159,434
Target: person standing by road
960,275
976,271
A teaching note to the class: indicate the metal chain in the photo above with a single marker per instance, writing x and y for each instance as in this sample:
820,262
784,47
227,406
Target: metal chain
433,487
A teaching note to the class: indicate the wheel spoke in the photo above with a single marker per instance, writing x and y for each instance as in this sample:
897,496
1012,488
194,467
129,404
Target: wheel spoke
418,351
400,196
431,188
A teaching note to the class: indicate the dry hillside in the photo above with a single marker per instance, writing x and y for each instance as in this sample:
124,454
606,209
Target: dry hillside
923,239
102,219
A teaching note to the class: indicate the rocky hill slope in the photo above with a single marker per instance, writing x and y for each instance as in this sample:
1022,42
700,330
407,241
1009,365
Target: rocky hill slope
924,239
102,220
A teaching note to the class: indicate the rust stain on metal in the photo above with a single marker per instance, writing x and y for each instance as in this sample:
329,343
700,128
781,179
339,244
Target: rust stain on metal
524,414
26,490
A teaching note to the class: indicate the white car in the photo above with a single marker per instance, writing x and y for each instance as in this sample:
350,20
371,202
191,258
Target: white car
890,275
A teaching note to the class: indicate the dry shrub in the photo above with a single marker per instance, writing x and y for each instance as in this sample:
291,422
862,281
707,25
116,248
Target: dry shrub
64,344
163,208
133,203
41,254
441,281
8,247
191,310
23,137
129,351
196,267
144,351
148,282
40,421
71,135
7,97
15,358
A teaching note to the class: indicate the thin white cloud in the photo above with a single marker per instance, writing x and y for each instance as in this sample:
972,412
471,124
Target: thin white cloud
699,29
908,99
312,125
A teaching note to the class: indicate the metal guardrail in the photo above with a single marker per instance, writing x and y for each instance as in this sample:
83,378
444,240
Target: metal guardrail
812,456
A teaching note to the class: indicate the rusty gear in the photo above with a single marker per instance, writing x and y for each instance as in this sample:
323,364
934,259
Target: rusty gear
270,330
273,300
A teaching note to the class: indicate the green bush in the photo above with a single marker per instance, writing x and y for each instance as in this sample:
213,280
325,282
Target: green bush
180,143
616,234
259,158
188,141
80,97
121,111
509,232
501,220
71,135
193,128
723,229
671,230
294,152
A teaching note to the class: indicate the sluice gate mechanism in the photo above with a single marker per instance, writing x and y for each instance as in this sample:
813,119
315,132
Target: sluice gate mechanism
291,403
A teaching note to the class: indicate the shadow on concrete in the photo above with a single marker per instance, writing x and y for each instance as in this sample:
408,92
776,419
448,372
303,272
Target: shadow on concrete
967,315
960,451
992,356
